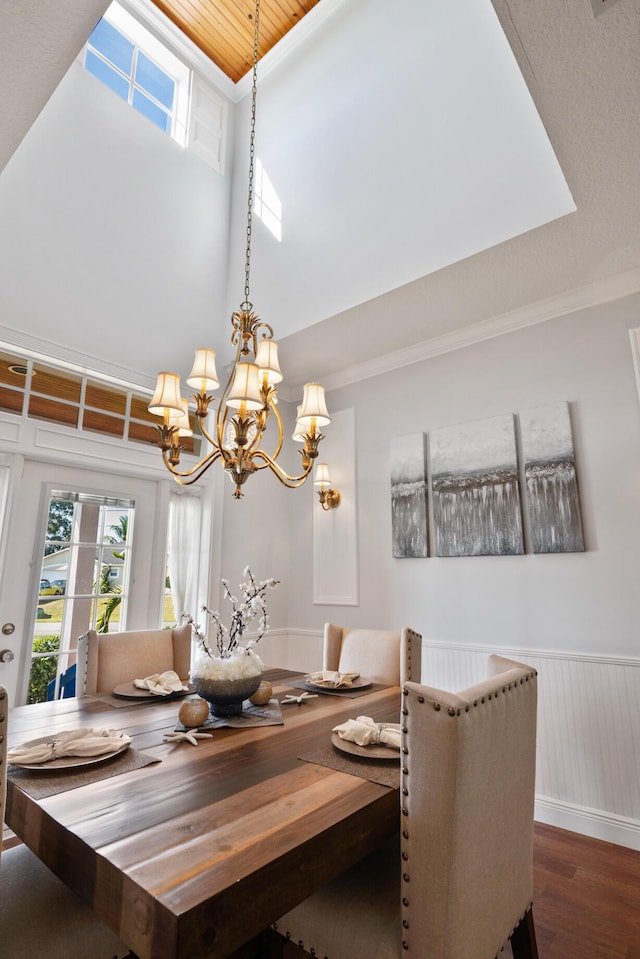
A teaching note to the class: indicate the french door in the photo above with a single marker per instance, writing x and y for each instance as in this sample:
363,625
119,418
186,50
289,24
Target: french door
81,549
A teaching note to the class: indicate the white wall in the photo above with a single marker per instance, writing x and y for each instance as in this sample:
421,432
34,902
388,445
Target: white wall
585,602
113,239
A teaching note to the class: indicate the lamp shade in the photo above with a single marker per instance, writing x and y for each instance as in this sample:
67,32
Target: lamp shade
166,395
181,420
322,475
313,410
245,389
203,375
267,360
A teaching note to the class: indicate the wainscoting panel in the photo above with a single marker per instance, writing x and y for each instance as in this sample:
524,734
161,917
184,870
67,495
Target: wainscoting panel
588,761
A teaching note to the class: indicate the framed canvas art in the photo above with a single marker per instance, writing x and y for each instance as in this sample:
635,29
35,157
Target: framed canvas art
409,516
476,496
553,501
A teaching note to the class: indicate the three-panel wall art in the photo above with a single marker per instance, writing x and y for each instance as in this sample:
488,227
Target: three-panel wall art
480,480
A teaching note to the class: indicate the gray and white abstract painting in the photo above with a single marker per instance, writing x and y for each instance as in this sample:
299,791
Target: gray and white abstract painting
409,518
476,496
552,485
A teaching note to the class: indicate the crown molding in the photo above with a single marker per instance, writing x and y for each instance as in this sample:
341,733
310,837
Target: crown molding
598,292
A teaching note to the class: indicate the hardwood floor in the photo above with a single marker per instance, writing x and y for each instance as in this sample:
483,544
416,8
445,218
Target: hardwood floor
586,899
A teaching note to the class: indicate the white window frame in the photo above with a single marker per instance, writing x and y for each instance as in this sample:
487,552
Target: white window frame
133,30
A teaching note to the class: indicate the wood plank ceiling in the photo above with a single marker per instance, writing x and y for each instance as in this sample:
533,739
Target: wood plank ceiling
223,29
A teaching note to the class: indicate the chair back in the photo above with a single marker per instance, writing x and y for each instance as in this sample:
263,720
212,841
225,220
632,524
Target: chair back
468,778
107,660
383,655
4,726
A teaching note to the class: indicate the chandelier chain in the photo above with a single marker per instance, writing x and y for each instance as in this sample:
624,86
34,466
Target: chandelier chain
254,92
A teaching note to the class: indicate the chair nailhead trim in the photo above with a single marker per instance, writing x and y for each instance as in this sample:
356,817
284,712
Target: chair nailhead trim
405,876
405,945
405,924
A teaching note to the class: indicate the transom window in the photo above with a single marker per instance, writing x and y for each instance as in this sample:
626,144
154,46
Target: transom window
43,392
138,68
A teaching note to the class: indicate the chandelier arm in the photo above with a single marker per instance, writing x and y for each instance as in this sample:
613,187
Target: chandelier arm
186,477
291,481
207,435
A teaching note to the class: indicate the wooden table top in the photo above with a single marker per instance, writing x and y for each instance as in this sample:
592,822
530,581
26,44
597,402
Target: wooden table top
195,855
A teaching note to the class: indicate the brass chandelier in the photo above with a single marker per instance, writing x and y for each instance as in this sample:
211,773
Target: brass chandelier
249,398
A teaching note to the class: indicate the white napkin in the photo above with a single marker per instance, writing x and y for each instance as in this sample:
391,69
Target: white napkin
331,677
364,731
71,742
161,684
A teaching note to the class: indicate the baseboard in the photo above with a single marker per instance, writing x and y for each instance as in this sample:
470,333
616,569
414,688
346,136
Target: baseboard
589,822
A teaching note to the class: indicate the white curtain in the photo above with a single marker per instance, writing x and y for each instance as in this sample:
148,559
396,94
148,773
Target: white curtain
185,523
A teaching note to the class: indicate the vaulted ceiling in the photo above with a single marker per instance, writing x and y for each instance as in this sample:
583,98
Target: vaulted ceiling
582,72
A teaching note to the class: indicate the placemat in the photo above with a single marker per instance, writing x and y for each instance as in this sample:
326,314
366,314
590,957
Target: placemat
41,785
346,693
269,715
384,773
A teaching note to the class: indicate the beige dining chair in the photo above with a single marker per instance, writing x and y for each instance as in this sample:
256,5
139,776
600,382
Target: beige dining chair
458,881
390,656
39,916
107,660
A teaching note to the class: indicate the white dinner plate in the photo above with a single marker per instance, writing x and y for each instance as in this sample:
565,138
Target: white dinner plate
386,753
360,683
67,762
131,691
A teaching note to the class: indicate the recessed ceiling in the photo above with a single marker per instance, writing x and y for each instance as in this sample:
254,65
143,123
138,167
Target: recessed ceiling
224,29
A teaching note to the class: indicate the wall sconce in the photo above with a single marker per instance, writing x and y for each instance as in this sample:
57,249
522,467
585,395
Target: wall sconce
329,498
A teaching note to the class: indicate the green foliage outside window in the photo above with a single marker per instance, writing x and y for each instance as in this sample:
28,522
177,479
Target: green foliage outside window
42,670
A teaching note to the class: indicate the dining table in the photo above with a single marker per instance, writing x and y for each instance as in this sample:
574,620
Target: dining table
190,852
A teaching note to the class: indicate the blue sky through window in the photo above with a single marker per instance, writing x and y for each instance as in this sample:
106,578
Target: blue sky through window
128,71
155,81
113,46
111,78
150,110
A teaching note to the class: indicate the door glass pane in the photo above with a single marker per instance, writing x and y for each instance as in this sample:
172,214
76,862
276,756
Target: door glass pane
84,583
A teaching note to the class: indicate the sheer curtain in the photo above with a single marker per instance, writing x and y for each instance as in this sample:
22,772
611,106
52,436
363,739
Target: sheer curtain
185,523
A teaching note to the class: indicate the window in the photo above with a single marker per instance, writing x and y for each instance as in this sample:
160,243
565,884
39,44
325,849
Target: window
29,388
138,68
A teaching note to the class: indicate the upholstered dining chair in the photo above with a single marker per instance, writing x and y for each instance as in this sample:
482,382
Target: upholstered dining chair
107,660
383,655
458,881
39,916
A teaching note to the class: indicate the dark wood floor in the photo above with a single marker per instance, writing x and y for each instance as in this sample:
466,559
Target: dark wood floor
586,898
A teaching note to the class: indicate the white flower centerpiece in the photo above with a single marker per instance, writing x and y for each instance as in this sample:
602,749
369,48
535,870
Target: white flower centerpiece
230,673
